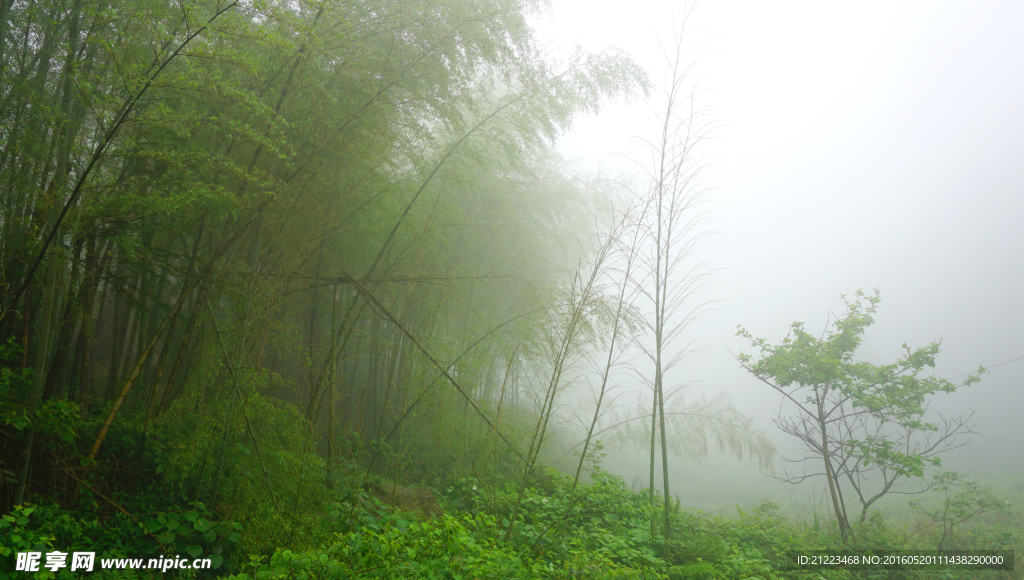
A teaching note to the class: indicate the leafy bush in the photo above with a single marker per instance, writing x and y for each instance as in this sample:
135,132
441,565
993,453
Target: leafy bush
47,528
392,546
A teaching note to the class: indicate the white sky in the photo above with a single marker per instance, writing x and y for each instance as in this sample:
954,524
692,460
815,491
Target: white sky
861,144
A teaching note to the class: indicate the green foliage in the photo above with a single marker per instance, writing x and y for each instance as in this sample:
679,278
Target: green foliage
204,168
892,393
208,453
192,531
603,534
962,500
604,521
56,418
15,379
601,531
14,385
18,534
121,517
754,545
396,547
196,532
864,422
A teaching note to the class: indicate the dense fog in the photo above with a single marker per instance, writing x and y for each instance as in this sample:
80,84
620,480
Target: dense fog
867,146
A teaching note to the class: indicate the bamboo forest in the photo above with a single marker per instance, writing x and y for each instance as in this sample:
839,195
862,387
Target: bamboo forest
306,289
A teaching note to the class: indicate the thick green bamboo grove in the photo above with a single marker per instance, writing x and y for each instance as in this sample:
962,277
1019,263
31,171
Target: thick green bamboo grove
233,203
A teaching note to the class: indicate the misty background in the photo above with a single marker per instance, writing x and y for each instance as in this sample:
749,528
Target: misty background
874,145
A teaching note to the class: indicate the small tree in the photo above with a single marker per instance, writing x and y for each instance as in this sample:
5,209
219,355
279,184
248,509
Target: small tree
962,500
866,424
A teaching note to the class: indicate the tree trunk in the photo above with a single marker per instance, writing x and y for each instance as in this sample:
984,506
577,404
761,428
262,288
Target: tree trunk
42,355
654,431
169,390
837,505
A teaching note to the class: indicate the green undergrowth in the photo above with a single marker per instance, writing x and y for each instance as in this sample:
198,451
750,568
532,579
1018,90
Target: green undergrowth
600,529
600,532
